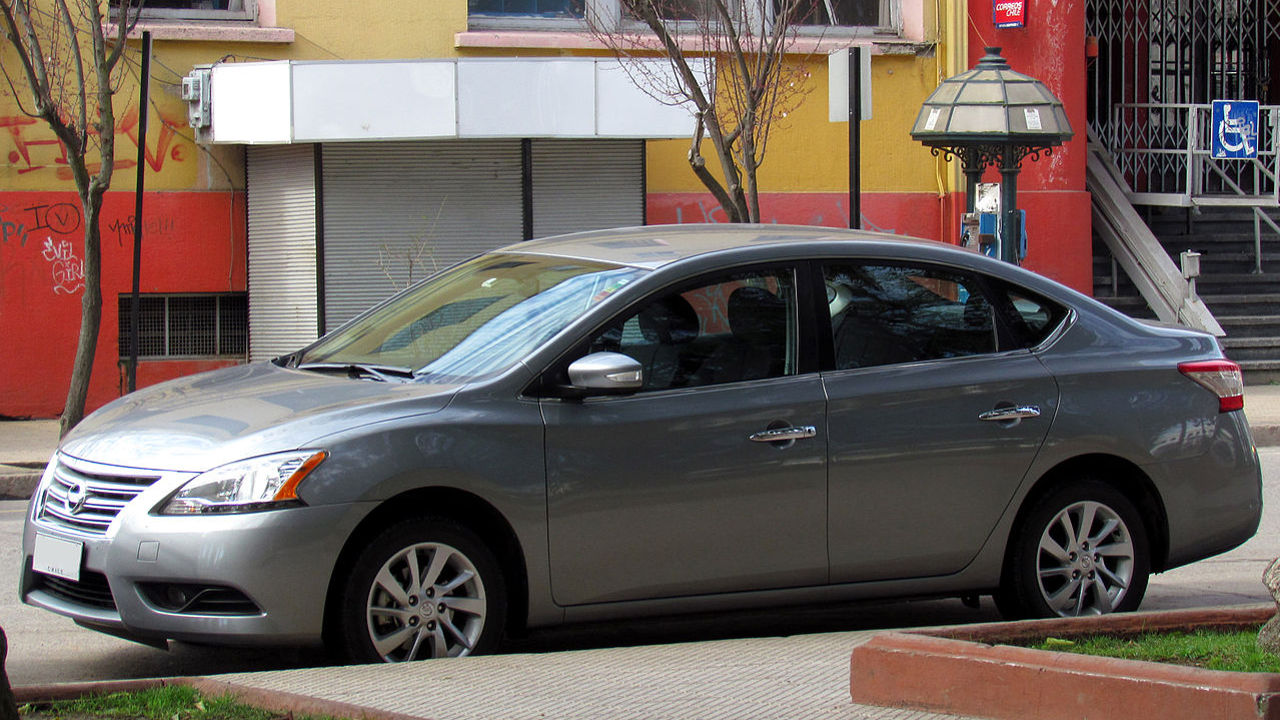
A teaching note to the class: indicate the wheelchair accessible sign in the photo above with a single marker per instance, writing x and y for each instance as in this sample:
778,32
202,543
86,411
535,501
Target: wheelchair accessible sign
1235,129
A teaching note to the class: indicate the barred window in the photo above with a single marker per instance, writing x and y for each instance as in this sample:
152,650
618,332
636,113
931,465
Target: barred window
182,326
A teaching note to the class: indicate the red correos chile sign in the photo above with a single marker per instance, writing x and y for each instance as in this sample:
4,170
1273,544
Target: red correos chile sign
1010,13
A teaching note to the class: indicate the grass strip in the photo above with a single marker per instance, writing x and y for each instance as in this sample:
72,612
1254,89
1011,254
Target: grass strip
1235,651
172,702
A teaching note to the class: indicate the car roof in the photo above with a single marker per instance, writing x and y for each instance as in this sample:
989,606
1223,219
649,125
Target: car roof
654,246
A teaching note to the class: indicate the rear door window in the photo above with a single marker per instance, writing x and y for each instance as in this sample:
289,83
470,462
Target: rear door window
882,314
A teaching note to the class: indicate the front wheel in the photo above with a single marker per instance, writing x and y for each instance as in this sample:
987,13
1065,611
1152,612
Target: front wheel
1081,550
423,588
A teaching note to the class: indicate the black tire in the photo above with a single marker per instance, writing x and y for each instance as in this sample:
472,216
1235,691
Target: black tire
1051,573
461,611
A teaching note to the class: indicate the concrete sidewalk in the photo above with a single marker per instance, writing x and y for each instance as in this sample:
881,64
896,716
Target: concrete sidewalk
804,677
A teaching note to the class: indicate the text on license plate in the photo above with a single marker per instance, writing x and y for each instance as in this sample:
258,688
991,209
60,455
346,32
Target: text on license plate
56,556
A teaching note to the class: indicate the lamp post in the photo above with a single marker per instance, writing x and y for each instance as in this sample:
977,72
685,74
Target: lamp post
991,115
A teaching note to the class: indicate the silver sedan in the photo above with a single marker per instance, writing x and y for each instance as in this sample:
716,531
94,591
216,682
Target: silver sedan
650,421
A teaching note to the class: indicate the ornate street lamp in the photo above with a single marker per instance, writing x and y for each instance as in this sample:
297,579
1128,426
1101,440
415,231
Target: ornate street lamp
991,115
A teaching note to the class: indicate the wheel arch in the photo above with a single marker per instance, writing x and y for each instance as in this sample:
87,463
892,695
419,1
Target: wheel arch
1117,472
461,506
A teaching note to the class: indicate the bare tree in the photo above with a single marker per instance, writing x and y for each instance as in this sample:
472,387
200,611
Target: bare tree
70,70
729,62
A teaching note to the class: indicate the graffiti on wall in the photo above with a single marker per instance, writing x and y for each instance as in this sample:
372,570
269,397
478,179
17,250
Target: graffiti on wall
19,226
33,146
122,229
41,223
68,270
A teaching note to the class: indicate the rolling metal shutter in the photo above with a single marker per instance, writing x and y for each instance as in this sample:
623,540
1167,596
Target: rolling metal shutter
587,185
392,208
283,307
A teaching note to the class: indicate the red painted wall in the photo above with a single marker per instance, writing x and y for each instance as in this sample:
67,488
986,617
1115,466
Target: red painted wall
915,214
1052,189
192,242
1058,246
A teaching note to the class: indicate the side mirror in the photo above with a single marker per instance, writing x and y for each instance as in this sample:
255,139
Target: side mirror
605,373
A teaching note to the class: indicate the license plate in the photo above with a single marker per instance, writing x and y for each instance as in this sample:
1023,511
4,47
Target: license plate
56,556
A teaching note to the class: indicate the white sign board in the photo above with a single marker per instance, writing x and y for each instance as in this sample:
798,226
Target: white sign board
838,84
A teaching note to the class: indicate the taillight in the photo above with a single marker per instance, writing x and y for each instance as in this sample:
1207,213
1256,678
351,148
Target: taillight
1220,377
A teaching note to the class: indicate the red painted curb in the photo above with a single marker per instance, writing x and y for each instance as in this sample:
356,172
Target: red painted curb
269,700
958,671
70,691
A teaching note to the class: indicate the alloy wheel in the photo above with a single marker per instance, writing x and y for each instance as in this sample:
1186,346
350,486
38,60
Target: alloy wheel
1085,562
426,601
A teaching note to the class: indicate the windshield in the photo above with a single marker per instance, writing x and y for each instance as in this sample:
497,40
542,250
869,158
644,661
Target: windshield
476,319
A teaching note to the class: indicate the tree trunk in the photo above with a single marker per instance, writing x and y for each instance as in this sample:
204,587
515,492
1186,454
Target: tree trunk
90,316
8,706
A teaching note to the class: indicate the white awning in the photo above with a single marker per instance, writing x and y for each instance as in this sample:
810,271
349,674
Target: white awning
288,101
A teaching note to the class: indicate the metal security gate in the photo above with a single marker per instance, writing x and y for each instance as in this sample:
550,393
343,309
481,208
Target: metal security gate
283,304
395,212
1158,58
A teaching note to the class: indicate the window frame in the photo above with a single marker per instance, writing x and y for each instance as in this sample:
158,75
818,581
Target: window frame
249,13
609,14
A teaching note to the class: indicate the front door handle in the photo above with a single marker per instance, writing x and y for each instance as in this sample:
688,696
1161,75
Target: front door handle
802,432
1005,414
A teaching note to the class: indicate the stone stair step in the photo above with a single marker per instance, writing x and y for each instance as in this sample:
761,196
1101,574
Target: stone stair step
1250,342
1244,320
1245,303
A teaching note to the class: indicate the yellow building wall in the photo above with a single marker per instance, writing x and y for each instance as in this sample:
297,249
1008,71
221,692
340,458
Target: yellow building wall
806,153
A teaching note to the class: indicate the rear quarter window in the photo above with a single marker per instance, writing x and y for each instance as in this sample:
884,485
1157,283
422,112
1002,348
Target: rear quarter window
1031,317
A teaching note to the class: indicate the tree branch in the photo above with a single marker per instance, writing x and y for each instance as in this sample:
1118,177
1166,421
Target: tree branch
77,65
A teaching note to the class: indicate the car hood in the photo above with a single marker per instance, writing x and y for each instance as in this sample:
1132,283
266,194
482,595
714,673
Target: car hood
197,423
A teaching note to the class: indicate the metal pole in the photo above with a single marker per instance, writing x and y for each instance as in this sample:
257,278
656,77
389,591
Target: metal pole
855,137
1010,225
135,304
972,174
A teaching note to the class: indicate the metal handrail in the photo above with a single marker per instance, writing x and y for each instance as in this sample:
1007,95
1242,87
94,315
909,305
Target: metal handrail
1185,143
1135,248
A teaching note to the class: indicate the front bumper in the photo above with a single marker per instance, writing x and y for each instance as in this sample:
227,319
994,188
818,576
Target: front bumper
267,574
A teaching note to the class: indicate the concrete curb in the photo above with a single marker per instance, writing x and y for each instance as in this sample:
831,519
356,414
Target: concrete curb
1266,435
70,691
965,671
18,483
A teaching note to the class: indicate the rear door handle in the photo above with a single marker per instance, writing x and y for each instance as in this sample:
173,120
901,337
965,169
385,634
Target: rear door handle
802,432
1006,414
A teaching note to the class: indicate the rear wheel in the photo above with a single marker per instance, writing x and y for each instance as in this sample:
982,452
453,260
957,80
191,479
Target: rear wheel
1081,550
423,588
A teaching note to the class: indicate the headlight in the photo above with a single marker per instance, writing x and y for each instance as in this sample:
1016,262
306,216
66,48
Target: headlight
261,483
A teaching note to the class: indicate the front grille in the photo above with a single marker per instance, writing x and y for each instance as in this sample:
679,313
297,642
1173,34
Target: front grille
87,502
91,589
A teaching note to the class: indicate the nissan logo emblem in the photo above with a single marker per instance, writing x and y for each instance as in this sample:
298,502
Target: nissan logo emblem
76,497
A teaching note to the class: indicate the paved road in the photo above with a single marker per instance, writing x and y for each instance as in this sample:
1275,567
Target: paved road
45,648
